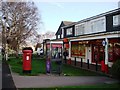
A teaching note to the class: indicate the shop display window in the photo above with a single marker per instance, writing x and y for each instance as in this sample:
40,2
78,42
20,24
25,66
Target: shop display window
77,49
110,52
98,53
113,52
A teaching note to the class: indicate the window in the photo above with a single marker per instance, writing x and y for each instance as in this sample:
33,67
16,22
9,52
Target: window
79,29
92,28
98,25
98,53
113,52
56,51
69,31
116,20
58,36
77,49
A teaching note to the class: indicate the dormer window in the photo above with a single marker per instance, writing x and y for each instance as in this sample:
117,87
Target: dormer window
116,20
79,29
69,31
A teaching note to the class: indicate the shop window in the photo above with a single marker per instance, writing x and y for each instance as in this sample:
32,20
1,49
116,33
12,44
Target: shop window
102,54
117,51
98,54
114,52
77,49
110,53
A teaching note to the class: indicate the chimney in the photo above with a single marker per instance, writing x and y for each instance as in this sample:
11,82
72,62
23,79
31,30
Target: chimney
118,4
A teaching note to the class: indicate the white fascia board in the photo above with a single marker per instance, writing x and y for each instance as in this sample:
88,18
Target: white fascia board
97,37
57,42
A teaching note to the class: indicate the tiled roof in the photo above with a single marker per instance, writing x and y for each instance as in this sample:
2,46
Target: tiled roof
67,22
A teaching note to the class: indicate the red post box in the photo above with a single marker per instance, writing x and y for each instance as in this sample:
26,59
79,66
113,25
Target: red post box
27,54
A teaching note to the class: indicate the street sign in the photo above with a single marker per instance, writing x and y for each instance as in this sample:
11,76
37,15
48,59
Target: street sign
103,42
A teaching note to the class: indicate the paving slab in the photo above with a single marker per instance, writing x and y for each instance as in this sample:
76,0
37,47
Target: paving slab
43,81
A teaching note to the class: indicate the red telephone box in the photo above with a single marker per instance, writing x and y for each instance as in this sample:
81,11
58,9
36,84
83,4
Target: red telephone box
27,54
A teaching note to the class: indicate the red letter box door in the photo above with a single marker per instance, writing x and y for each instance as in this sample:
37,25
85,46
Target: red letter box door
27,61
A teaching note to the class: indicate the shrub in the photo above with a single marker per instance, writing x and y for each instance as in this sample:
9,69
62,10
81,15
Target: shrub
115,70
20,62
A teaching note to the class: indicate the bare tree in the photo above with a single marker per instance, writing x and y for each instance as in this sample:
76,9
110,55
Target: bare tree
21,19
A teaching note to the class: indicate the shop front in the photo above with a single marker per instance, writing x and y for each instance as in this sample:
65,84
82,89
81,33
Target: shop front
98,51
80,52
94,50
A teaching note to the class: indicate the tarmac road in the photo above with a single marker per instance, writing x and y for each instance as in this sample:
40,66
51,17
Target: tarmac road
0,75
7,80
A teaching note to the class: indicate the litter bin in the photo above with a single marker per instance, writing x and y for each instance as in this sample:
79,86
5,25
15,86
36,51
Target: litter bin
27,55
48,65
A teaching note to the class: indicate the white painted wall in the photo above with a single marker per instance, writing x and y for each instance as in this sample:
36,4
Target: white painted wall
62,33
88,54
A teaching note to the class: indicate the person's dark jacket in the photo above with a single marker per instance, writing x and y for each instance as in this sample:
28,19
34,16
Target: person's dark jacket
65,53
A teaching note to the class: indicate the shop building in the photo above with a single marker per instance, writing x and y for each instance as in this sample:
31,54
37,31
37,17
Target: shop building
59,34
93,40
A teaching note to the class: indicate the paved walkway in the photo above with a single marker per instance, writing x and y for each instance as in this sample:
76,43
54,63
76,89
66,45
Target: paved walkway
54,80
7,80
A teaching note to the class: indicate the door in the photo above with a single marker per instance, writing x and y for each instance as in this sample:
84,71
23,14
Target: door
88,57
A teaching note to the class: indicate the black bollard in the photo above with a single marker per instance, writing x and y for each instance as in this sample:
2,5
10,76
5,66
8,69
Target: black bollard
88,63
81,62
75,61
96,65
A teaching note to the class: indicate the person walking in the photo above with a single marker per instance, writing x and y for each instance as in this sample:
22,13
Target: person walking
65,54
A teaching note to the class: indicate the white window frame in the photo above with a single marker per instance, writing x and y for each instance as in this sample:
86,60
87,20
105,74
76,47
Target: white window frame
58,36
98,25
116,20
79,29
69,31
